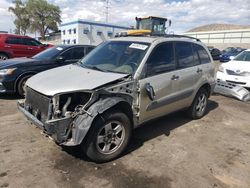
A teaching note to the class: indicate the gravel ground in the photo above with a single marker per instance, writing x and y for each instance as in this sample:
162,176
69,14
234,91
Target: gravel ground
169,152
172,151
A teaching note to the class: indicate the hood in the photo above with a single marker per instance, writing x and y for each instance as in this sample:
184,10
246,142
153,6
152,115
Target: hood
240,66
70,78
10,63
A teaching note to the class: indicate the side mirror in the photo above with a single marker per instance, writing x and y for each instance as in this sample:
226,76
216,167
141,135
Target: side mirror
45,45
150,91
60,59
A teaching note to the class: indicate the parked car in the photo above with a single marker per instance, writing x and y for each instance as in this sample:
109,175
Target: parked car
15,72
215,53
230,53
12,46
121,84
236,71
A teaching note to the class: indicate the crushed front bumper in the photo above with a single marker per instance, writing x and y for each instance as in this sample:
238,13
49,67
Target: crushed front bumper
58,129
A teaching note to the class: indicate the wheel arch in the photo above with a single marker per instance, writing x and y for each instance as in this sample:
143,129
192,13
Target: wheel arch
5,53
30,73
83,123
207,87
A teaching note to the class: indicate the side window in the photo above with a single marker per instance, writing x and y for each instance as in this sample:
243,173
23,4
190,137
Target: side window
14,40
204,57
31,42
68,55
78,53
88,49
161,59
185,55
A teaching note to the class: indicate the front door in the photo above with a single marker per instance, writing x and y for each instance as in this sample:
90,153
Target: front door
162,77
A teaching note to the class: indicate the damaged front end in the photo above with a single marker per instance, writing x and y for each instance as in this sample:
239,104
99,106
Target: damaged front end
54,115
68,117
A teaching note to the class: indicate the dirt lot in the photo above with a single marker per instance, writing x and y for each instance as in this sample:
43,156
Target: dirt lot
169,152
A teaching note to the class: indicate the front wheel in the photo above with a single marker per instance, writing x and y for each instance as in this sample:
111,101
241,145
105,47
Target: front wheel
108,137
21,85
199,106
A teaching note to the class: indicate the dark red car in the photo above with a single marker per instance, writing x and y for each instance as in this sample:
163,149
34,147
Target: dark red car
19,46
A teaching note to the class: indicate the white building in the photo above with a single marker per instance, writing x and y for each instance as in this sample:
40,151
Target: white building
88,32
224,38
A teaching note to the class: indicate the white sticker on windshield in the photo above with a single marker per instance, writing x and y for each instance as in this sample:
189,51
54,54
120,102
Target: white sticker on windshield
138,46
59,48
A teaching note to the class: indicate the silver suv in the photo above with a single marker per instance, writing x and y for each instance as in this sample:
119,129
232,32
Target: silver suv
124,82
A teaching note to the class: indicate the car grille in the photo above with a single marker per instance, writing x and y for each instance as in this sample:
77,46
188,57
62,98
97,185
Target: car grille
37,104
241,83
231,72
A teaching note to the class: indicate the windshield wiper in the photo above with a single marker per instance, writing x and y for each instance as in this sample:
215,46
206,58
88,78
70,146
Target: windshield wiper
93,67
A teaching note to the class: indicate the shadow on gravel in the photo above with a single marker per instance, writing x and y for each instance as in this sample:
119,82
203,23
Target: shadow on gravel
9,96
149,130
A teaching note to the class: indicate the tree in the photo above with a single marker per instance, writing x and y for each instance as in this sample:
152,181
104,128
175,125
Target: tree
22,21
43,16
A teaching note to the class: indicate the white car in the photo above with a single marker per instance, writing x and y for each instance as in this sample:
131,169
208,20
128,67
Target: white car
236,71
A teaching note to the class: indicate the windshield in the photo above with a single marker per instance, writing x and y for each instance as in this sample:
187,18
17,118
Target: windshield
116,56
243,56
49,53
145,24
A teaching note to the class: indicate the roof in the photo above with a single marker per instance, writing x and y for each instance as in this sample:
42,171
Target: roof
219,27
65,46
79,21
136,39
146,17
151,39
14,35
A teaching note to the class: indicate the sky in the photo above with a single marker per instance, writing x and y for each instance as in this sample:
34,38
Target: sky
185,14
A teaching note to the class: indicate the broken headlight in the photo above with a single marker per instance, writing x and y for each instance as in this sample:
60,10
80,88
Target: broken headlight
65,104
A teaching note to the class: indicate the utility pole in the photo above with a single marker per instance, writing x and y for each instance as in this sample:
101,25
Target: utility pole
107,10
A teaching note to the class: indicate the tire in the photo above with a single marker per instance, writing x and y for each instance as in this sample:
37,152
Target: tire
199,106
3,56
21,84
113,129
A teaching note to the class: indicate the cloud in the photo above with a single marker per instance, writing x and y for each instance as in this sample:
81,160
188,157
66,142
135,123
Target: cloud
6,21
185,14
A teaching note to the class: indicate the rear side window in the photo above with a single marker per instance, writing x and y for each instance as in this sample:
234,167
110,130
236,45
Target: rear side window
161,60
185,55
31,42
204,57
14,40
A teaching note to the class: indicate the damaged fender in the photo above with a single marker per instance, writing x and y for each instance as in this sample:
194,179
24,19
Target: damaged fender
82,123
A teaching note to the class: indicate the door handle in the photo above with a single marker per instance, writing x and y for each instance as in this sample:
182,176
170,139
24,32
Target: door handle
174,77
199,70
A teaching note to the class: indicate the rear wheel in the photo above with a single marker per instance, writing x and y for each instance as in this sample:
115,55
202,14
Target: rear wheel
199,106
3,56
108,137
21,85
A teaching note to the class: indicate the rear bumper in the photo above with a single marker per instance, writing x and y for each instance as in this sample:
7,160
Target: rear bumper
58,129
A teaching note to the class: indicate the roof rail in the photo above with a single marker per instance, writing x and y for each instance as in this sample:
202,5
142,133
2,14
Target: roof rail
178,36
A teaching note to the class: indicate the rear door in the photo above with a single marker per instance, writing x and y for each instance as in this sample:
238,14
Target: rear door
15,46
162,76
189,71
32,46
